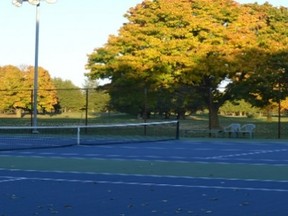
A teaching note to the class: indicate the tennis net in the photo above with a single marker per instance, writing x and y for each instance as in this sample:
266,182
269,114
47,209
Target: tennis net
12,138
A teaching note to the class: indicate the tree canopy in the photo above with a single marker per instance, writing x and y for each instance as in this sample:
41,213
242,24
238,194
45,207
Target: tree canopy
53,95
17,88
188,48
69,96
97,100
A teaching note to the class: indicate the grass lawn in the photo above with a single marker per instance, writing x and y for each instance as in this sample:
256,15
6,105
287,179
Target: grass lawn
264,129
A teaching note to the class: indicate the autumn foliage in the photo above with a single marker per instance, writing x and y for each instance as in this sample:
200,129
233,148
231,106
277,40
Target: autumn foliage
180,51
16,89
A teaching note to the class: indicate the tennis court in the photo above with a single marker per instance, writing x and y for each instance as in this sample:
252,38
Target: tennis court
177,177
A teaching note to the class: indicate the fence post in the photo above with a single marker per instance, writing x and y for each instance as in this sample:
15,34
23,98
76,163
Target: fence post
178,130
86,107
279,111
31,112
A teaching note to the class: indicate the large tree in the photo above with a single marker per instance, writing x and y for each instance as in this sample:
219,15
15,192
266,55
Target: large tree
264,69
70,97
14,92
17,88
170,44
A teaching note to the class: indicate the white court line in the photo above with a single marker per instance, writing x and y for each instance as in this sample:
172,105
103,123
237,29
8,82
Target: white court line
140,175
147,184
247,154
11,179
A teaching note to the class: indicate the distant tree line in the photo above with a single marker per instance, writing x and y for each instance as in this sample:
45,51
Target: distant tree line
61,96
54,94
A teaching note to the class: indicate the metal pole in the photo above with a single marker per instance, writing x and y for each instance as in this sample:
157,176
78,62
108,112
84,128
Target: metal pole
210,111
35,102
31,112
279,111
145,110
177,130
86,106
279,119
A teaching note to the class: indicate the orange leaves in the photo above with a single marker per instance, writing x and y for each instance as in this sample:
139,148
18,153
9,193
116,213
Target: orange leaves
284,104
166,39
16,86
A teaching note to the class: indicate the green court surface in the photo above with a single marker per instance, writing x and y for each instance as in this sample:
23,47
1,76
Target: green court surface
141,167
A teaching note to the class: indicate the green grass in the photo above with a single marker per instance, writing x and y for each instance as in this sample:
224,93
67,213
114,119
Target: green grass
264,129
72,118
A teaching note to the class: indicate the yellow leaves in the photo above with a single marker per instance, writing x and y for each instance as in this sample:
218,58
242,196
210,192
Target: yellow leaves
284,104
17,86
168,39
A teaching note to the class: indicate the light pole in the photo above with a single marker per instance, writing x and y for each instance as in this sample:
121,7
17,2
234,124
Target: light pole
36,3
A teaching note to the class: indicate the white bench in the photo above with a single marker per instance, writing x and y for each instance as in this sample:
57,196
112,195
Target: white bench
232,130
248,129
235,129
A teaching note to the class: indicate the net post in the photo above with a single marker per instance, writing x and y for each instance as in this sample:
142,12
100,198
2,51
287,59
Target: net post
177,130
78,135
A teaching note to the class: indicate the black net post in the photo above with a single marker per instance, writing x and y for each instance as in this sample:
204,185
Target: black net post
177,130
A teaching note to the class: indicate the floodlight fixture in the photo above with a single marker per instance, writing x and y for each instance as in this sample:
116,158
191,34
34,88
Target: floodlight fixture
51,1
34,2
19,3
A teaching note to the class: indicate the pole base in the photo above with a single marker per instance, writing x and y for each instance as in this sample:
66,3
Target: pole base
35,131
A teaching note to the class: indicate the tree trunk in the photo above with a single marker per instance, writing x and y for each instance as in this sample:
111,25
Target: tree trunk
19,113
213,116
269,115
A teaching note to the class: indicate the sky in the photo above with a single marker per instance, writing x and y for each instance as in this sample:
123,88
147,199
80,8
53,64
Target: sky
69,31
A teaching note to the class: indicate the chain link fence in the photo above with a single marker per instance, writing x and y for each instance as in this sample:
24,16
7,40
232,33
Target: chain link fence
84,106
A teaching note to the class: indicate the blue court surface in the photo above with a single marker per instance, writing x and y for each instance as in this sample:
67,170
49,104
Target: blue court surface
233,177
